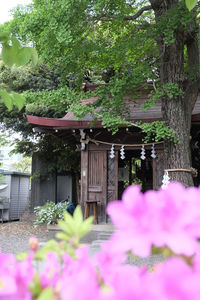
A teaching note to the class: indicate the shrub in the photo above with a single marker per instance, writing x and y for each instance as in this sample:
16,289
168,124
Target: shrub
50,213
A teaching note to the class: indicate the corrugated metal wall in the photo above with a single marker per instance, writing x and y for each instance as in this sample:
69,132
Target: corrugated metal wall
54,187
19,195
16,193
64,187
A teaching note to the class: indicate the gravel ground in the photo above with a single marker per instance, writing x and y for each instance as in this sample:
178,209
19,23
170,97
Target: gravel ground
14,236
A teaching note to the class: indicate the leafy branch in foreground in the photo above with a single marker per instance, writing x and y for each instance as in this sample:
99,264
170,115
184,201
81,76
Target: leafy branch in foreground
14,54
73,229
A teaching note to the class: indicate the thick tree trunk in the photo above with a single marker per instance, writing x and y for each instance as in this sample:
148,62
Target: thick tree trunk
177,111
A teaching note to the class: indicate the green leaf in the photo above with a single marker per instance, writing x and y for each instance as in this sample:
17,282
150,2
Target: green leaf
4,36
67,225
78,217
19,100
47,294
15,43
8,55
23,56
8,101
86,226
21,256
35,286
34,56
63,236
190,4
50,246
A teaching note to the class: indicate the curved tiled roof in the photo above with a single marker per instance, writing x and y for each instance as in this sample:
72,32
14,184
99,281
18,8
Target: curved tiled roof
135,109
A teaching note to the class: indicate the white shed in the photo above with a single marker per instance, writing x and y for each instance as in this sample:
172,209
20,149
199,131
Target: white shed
14,195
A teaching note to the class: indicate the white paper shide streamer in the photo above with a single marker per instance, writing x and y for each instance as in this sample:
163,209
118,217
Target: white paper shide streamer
142,153
153,152
112,152
166,180
122,153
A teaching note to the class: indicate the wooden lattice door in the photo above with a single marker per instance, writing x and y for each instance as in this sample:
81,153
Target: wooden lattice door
97,181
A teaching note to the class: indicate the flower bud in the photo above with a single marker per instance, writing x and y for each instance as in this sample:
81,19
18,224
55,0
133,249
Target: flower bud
33,243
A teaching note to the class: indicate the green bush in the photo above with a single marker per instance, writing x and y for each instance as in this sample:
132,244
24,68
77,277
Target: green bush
50,212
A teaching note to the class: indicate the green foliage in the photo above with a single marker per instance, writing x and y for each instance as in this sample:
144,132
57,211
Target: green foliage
11,99
57,100
50,213
157,131
35,287
13,54
50,246
23,165
86,38
47,294
74,228
40,77
174,18
68,34
190,4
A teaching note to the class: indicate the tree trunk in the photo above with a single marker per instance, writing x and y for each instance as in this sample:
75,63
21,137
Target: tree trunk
177,111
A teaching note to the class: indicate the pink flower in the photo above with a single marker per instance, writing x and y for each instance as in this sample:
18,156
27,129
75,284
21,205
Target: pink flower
51,271
79,279
176,280
8,285
24,273
168,217
15,278
107,260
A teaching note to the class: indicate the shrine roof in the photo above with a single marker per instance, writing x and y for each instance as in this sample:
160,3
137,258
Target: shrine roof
137,113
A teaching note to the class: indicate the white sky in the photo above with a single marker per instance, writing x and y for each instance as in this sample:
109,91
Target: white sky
6,5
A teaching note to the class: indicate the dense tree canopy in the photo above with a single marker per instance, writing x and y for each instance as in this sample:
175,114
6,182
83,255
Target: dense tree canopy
44,97
145,43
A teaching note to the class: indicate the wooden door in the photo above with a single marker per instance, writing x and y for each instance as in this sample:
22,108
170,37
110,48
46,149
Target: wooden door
97,180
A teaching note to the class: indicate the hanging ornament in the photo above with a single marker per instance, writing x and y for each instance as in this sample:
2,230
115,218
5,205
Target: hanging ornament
122,153
112,152
143,153
166,180
153,152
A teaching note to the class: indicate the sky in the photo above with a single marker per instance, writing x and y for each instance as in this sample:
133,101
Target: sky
6,5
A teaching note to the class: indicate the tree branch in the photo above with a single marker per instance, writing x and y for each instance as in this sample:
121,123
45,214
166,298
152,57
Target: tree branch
138,14
103,17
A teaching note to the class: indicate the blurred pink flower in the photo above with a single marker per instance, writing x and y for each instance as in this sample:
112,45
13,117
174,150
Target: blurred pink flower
168,217
107,260
176,280
15,278
51,272
80,279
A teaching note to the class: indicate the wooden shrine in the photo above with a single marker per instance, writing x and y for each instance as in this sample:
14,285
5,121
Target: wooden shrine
107,167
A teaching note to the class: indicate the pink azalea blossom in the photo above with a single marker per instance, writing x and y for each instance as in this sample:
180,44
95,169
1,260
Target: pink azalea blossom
168,217
107,260
51,271
175,280
15,278
8,285
80,278
24,273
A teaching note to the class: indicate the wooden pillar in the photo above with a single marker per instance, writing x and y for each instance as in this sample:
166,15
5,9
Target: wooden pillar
84,176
